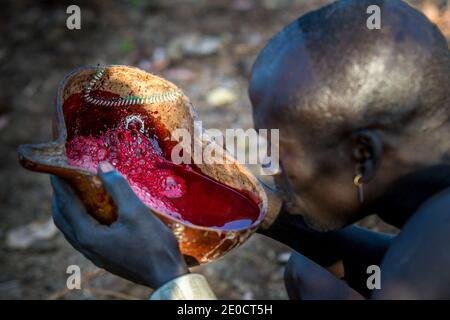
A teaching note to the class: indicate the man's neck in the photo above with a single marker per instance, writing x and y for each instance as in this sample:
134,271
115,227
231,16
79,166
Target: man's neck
406,195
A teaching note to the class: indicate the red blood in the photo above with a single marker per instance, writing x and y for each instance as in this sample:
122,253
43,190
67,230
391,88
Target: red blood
177,190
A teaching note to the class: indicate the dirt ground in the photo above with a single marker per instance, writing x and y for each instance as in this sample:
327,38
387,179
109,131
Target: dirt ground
37,50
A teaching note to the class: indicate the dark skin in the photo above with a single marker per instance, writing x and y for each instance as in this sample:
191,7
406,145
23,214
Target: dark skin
332,79
125,247
348,100
414,264
330,90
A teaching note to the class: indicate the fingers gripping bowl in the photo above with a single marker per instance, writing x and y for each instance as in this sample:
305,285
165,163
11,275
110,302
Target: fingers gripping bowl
100,115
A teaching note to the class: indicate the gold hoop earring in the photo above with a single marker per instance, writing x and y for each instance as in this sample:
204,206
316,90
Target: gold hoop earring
359,187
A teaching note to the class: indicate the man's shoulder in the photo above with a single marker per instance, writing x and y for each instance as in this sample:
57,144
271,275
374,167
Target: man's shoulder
417,265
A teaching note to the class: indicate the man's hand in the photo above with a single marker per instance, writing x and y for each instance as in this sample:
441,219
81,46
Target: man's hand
138,246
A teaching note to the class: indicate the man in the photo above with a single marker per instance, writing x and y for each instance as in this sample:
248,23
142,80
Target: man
364,126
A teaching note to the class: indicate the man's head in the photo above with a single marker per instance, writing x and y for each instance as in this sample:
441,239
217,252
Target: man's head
349,101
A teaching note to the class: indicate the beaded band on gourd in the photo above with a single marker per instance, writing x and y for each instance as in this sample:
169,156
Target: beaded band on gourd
168,96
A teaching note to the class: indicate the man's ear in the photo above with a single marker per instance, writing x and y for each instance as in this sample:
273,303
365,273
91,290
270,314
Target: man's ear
367,150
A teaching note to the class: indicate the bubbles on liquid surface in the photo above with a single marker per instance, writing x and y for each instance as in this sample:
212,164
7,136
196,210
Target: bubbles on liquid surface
136,157
173,187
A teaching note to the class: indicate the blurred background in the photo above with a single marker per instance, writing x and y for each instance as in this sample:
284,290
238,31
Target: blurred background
207,48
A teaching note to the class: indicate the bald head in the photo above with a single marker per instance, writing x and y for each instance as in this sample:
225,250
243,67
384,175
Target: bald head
350,101
328,70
